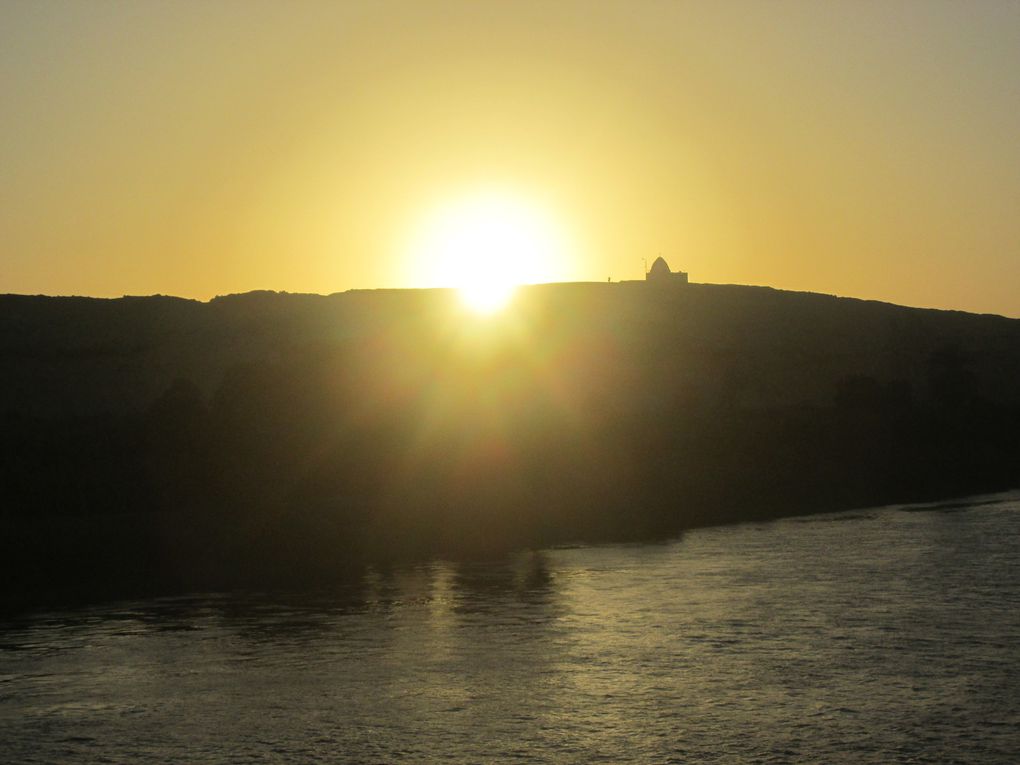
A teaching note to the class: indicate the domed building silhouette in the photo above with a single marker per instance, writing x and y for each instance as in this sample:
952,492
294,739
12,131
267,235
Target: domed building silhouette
659,273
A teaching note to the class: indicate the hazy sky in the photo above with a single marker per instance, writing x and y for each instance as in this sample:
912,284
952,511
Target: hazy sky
864,148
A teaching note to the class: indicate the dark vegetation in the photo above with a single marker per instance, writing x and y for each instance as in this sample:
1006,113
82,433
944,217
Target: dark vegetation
157,444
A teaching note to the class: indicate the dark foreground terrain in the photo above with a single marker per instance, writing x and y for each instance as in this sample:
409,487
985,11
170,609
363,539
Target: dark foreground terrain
161,444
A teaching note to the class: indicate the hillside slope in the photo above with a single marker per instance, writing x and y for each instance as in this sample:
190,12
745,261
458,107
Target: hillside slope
764,346
268,437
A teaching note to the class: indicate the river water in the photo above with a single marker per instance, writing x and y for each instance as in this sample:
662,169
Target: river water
879,636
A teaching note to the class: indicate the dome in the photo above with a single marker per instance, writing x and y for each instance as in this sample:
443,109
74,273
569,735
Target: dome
659,268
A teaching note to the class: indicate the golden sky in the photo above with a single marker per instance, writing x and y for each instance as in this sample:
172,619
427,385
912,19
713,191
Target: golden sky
866,148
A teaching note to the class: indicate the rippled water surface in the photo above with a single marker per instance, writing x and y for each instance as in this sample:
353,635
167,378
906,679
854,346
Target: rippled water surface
889,635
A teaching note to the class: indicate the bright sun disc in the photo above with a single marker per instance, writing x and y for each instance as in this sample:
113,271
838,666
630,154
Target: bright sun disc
486,246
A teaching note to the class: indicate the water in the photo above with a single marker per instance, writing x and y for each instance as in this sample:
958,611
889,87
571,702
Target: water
870,637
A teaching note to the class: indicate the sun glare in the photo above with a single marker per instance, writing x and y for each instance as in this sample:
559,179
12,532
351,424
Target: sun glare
482,297
486,246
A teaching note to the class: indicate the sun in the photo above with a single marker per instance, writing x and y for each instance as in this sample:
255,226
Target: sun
486,246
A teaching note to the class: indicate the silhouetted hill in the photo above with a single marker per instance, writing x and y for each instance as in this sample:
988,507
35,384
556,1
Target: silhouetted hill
269,437
763,346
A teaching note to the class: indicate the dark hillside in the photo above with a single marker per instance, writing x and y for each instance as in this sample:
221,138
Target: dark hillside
274,438
89,356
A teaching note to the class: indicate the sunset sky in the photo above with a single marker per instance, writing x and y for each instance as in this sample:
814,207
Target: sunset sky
869,149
